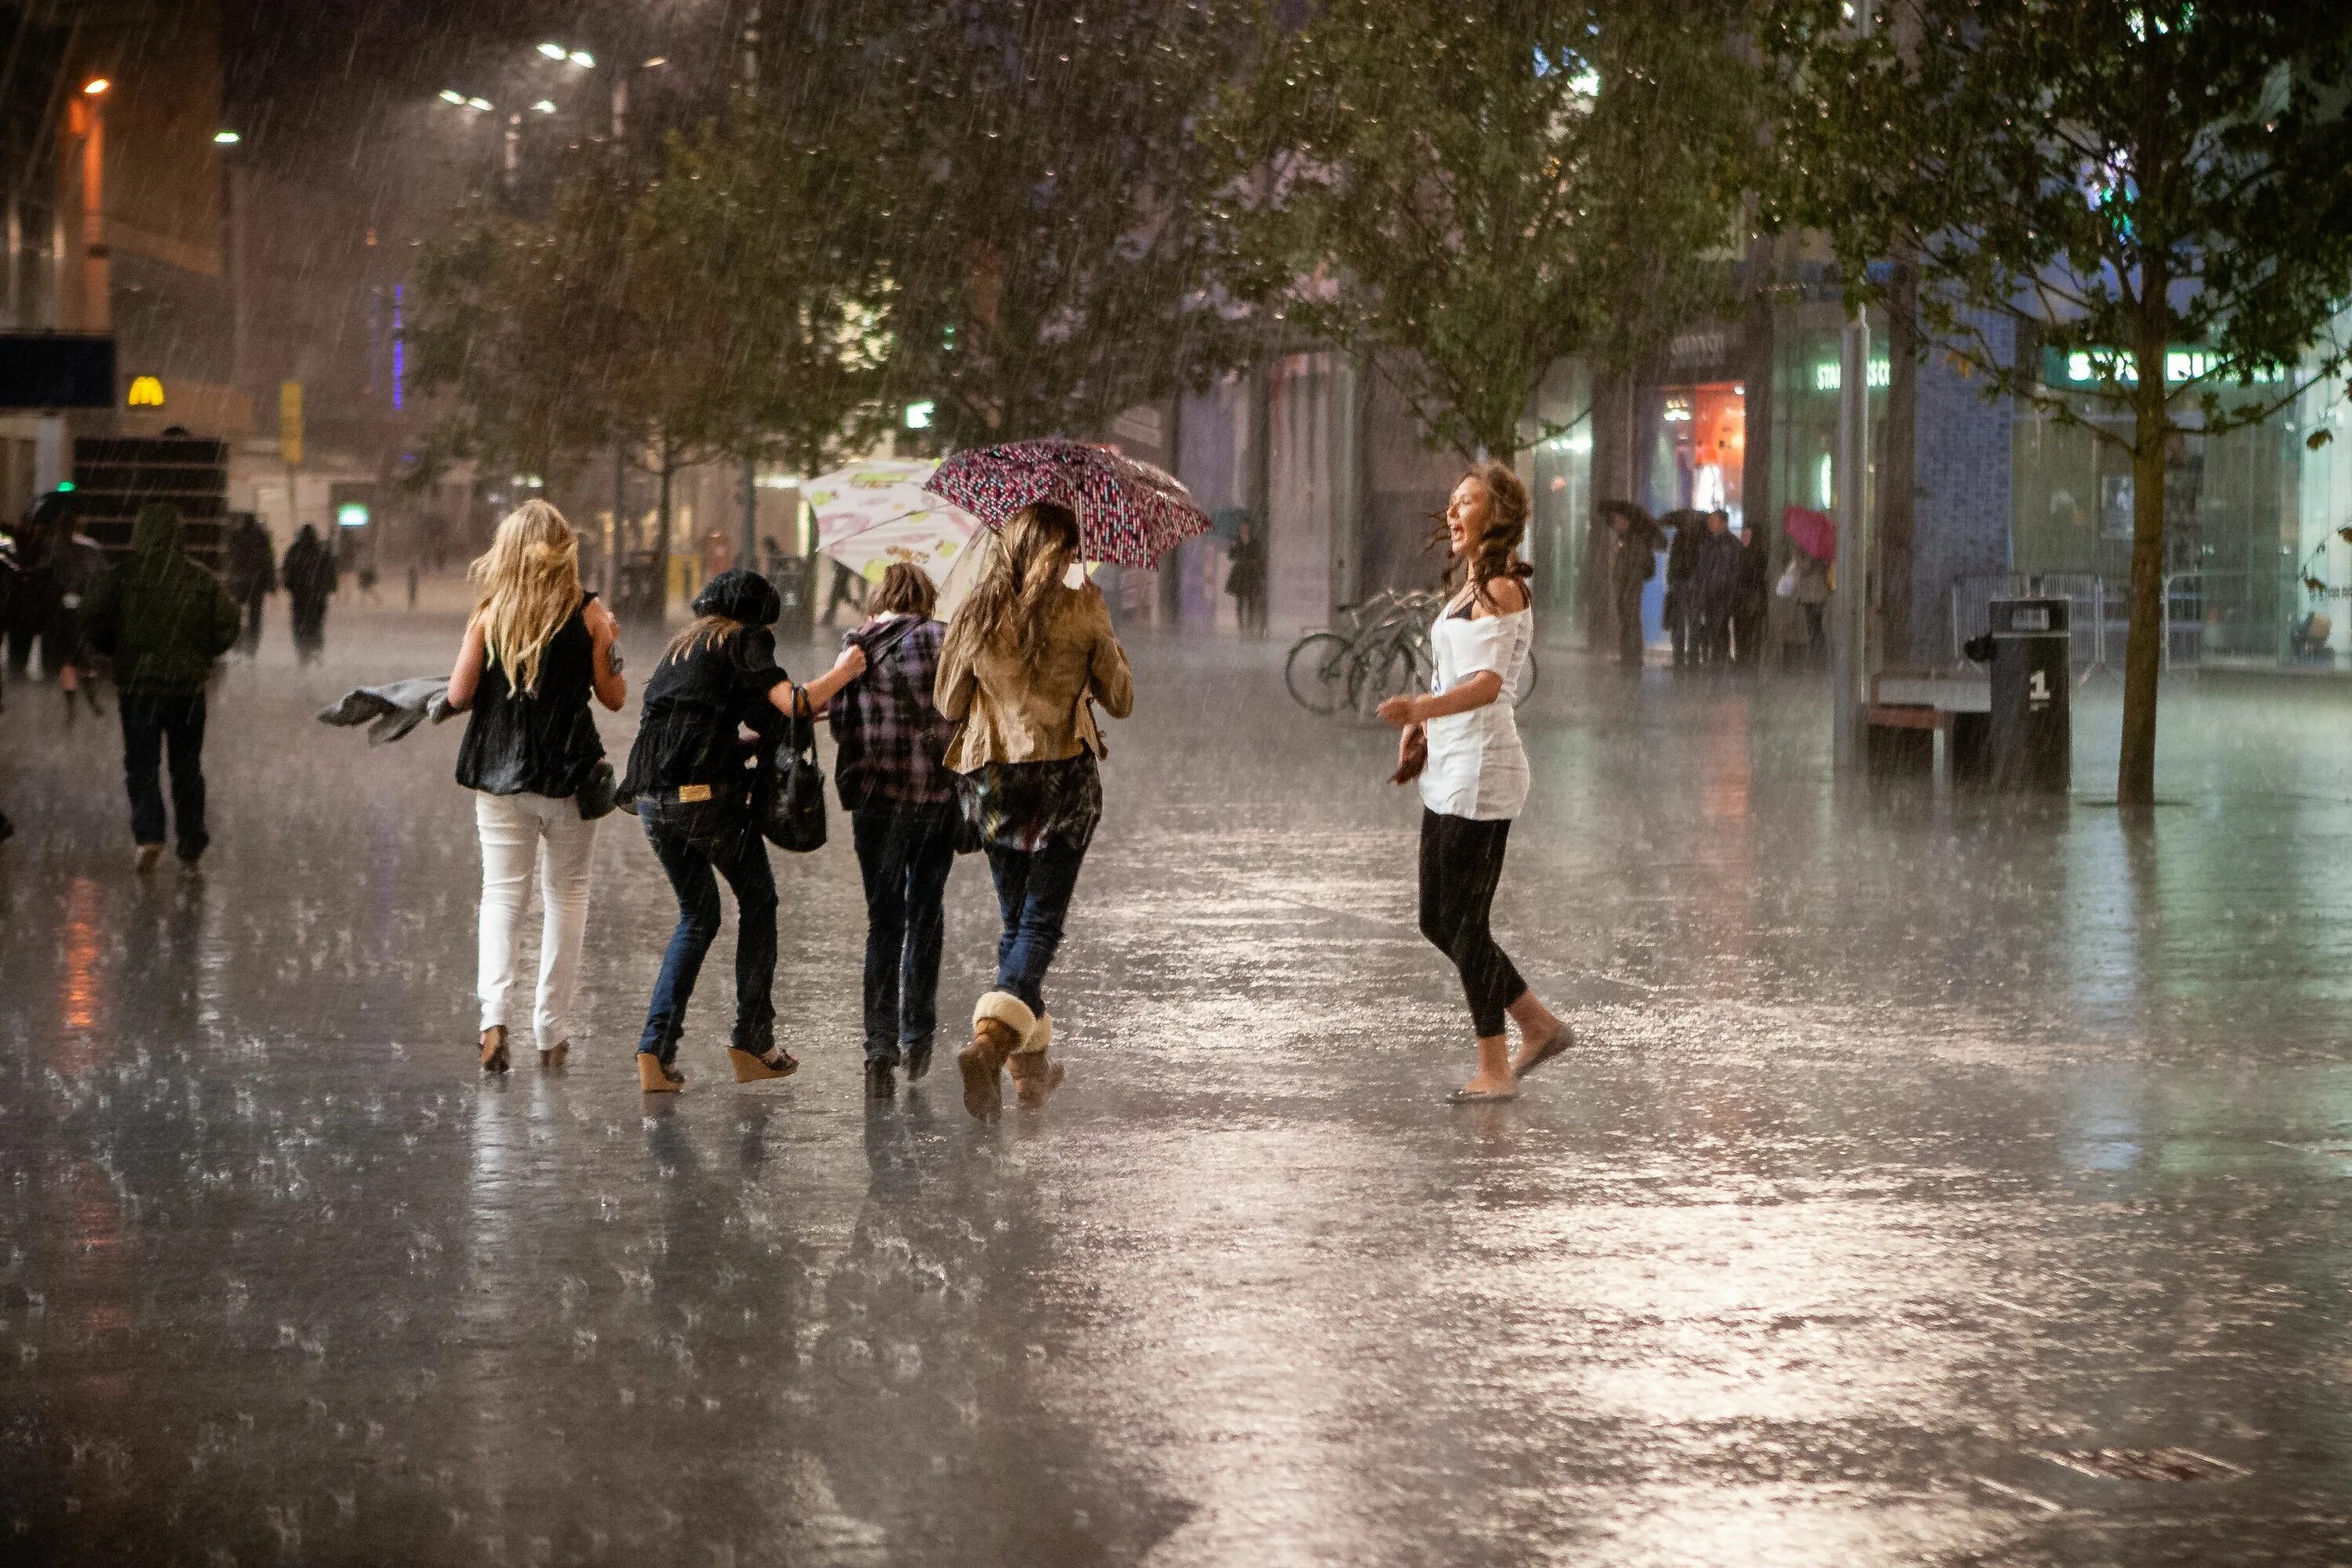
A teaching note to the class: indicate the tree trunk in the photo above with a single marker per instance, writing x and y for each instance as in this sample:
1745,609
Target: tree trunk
661,542
1898,465
2144,648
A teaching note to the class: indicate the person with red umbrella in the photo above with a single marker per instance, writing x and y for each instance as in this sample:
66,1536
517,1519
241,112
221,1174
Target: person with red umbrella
1025,659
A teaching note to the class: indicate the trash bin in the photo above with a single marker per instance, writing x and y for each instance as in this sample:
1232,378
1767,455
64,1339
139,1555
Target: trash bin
2032,731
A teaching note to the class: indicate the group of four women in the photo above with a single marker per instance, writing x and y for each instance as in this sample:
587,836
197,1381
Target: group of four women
980,734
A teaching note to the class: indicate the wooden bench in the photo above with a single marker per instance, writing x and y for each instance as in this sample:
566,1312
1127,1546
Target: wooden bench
1907,712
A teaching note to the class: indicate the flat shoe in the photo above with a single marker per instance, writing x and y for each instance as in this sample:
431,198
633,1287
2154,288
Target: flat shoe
1551,1047
1463,1097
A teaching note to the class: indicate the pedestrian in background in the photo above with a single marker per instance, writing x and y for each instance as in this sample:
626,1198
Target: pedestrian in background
1025,661
537,647
311,578
890,745
77,565
251,573
694,793
1246,579
1714,585
164,620
1473,775
1751,595
1681,607
1630,567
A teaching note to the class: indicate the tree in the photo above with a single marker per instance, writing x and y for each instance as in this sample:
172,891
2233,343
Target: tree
1035,176
1467,196
720,309
510,328
2162,187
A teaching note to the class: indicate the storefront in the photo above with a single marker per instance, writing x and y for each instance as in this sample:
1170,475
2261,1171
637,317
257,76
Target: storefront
2236,517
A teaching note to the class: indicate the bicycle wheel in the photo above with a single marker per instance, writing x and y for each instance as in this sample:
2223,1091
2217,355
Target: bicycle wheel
1388,670
1316,671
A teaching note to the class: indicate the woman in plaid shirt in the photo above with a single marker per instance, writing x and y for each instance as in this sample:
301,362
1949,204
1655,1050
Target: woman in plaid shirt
891,741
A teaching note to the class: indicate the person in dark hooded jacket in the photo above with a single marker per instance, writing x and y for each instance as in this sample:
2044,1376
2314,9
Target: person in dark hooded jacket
311,578
164,620
691,788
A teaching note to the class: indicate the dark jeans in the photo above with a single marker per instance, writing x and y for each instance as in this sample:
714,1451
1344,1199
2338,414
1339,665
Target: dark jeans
1033,890
1461,864
1682,622
1747,637
1629,625
149,719
904,851
692,841
254,600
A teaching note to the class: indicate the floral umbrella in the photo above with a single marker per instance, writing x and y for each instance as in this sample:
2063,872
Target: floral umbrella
1128,512
871,514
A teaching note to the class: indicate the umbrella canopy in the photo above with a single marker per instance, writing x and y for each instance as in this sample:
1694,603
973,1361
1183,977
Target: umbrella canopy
1815,533
1128,512
871,514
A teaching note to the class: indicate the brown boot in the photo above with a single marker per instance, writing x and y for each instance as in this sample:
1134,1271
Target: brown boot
1035,1077
494,1048
1001,1025
980,1062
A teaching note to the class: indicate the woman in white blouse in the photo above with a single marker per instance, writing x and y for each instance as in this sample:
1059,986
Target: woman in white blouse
1474,778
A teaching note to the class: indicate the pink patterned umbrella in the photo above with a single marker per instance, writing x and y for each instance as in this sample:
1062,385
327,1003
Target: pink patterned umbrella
1128,512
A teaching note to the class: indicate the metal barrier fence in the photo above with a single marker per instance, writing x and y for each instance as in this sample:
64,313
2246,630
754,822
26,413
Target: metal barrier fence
2207,615
2089,614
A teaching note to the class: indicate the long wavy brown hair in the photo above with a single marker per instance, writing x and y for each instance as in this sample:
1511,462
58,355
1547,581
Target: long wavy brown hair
1497,553
1015,593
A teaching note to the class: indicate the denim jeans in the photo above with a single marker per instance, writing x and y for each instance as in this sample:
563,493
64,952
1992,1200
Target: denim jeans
692,841
149,719
1033,890
904,851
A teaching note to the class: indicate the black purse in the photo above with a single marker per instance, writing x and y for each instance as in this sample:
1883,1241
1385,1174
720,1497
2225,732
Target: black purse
794,814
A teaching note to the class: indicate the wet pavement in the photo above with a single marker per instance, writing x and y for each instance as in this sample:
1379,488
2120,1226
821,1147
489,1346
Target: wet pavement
1931,1165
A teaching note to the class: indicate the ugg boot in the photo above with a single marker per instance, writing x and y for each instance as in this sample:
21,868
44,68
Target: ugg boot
1035,1077
1001,1025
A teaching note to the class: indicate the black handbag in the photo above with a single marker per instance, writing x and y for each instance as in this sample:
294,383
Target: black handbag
795,817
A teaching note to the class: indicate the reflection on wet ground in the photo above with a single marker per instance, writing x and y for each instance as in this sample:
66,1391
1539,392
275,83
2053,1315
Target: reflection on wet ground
1928,1163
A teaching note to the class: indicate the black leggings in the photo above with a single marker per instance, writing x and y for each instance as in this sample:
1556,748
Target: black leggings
1461,862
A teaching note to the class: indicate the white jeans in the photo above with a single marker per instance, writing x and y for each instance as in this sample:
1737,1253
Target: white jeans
516,830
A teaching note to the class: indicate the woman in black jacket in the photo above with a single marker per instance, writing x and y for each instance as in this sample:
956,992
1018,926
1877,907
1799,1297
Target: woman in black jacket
692,788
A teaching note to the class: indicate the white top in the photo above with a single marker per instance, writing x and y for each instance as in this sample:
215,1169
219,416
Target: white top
1476,766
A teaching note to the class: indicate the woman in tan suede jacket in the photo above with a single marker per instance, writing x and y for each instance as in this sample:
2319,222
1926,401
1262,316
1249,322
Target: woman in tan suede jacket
1025,659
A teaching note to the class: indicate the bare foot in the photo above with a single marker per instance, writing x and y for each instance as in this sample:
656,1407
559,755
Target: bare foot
1534,1043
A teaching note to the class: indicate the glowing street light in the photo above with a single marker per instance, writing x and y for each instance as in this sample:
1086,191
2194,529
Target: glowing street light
448,96
544,106
96,85
656,60
552,51
583,59
225,138
480,105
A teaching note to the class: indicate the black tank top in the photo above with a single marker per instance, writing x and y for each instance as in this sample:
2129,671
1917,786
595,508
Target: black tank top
536,743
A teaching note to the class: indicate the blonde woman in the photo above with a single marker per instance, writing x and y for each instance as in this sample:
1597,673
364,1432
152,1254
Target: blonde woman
1025,659
537,647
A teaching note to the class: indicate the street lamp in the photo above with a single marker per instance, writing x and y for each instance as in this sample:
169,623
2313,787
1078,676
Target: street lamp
480,105
95,86
225,138
552,51
583,59
449,96
544,106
